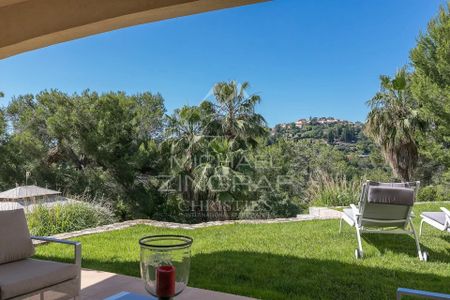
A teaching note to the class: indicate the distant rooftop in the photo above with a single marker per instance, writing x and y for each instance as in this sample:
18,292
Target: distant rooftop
29,191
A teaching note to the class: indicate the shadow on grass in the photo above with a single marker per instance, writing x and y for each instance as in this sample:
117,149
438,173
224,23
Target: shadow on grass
269,276
446,237
402,244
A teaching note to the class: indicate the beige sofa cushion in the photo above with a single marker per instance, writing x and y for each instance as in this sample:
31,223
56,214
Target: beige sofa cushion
15,242
29,275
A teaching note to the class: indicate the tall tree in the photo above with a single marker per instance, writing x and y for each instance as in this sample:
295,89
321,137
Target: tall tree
393,121
236,112
431,87
186,136
101,144
2,122
431,77
209,140
330,137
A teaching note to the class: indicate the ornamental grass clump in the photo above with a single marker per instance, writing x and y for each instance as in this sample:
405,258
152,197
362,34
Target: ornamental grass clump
69,216
327,190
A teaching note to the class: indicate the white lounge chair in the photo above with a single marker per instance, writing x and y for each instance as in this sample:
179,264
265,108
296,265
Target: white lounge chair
383,208
23,277
439,220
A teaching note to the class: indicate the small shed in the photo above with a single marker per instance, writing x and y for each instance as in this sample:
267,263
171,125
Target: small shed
29,194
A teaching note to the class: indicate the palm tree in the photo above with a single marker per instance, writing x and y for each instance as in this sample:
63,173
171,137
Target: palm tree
236,112
393,122
186,137
218,177
208,140
185,132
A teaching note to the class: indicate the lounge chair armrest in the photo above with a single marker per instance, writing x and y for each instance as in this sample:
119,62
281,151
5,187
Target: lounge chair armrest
447,215
76,246
355,210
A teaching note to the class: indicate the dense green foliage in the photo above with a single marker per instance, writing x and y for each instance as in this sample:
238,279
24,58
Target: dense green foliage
218,160
206,162
296,260
88,143
337,131
431,87
59,218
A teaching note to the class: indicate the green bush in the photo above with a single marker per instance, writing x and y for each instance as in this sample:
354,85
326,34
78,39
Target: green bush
47,220
269,206
432,193
326,190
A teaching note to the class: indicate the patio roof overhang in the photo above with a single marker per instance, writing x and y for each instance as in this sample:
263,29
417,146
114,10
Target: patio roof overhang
30,24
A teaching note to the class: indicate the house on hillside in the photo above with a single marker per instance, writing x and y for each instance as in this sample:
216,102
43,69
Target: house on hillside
301,122
329,120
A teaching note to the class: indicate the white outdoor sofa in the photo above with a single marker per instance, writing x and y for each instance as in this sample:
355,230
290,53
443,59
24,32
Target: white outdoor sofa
21,276
383,208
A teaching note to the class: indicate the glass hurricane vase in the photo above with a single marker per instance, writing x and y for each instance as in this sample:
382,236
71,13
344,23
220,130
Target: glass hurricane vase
165,264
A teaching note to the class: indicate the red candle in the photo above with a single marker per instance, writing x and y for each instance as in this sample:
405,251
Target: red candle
165,281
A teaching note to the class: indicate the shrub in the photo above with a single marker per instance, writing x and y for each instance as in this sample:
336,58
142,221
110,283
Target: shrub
171,210
47,220
326,190
269,206
432,193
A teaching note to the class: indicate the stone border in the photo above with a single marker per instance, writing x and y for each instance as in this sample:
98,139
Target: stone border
316,213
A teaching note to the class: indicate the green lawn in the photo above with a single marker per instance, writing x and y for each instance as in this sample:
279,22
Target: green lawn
303,260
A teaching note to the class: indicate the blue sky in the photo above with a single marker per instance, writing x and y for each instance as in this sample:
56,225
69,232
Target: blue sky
304,58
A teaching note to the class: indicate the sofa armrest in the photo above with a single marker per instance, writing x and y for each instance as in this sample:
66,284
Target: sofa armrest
76,246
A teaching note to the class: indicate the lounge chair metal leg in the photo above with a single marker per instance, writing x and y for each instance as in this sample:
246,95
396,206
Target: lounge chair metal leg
358,236
340,225
416,238
421,224
359,251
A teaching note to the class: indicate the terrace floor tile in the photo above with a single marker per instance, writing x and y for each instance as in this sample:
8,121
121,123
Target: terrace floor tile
97,285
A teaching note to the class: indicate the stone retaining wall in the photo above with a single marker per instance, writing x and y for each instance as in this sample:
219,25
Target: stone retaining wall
316,213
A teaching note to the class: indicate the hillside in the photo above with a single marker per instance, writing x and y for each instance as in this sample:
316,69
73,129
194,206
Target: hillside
328,128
